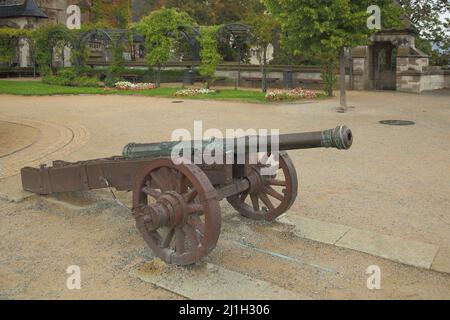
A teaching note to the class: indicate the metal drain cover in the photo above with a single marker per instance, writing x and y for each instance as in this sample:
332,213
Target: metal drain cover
177,101
398,122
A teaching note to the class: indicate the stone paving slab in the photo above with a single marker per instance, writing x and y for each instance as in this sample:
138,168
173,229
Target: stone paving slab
409,252
208,281
405,251
11,190
315,230
442,261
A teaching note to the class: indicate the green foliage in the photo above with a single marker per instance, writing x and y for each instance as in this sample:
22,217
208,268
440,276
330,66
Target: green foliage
142,75
322,26
9,42
51,39
437,58
8,45
116,14
209,54
160,30
117,66
329,64
319,25
31,88
264,29
48,40
68,77
432,20
206,12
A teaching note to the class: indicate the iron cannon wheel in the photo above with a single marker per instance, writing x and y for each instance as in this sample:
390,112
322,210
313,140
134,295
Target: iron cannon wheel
177,211
273,195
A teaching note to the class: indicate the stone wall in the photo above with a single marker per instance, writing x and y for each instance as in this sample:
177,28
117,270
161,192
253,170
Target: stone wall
427,80
411,63
361,80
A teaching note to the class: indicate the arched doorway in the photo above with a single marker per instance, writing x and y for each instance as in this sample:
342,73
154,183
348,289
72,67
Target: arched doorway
384,66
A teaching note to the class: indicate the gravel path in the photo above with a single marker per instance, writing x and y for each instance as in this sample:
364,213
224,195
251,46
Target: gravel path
393,181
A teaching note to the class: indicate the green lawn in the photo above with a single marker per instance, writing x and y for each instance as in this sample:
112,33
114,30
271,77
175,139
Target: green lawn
36,88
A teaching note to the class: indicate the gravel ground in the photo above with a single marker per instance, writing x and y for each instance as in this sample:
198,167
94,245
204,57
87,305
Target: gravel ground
393,181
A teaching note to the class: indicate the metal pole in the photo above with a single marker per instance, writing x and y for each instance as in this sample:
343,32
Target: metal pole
238,80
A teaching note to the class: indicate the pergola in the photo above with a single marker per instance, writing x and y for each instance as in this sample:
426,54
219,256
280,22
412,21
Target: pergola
239,34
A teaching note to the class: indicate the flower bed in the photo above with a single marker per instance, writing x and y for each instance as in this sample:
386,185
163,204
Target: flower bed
125,85
294,94
193,92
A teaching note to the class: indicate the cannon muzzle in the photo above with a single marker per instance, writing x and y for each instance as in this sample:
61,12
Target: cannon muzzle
339,138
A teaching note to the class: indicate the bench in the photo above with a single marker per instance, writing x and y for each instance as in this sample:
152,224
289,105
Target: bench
130,77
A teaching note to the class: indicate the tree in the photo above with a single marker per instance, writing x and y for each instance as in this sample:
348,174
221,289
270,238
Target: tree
114,13
209,53
264,28
321,26
431,18
160,30
205,12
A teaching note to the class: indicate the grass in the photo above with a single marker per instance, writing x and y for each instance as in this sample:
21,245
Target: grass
36,88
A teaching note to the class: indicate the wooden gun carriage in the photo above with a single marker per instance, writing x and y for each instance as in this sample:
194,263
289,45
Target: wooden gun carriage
176,205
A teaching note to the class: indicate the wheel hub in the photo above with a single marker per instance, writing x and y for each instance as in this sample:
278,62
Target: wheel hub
168,211
256,181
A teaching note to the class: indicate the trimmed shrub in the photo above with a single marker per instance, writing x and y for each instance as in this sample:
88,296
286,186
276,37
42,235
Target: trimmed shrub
68,77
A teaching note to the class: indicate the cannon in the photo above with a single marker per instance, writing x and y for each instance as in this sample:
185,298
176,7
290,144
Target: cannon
176,203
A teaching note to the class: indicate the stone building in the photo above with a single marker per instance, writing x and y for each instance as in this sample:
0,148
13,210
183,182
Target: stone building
392,62
31,14
20,15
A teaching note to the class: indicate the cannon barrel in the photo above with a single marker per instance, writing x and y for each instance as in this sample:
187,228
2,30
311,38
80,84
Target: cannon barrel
339,138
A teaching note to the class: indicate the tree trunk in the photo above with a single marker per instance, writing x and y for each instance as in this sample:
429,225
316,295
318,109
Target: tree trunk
238,79
264,71
158,77
343,93
330,92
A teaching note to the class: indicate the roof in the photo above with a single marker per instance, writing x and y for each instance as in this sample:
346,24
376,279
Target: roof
26,9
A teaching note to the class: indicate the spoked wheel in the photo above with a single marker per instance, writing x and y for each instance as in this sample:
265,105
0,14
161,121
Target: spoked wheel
176,211
271,193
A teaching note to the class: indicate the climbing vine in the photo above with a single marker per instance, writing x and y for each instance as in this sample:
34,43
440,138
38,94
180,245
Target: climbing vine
48,42
9,42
